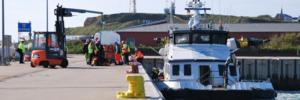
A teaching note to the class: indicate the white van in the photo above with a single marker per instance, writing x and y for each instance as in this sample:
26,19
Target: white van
108,37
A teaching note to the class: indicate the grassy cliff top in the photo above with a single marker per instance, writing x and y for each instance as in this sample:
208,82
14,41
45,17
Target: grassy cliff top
124,20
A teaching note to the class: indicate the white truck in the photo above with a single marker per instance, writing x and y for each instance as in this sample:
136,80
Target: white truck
108,37
108,40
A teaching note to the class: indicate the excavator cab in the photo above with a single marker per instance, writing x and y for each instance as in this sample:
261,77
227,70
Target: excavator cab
47,50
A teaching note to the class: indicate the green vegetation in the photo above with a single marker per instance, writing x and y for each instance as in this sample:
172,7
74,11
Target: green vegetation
284,42
89,30
125,20
113,22
74,47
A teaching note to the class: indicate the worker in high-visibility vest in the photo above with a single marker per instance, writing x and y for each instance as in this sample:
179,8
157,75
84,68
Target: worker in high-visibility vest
99,53
139,56
21,49
125,53
243,42
117,50
91,47
85,50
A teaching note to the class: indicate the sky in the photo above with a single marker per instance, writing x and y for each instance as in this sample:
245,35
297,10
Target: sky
34,11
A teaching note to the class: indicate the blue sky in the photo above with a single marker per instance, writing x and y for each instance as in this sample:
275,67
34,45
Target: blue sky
35,10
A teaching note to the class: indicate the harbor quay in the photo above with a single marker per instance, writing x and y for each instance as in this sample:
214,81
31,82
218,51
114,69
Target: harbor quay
81,82
78,82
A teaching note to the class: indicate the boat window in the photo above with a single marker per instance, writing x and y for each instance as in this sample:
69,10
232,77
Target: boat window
182,38
204,74
219,38
175,70
232,70
221,70
201,38
187,70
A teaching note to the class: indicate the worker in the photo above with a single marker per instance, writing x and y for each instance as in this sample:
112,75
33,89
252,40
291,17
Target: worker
91,47
99,53
139,56
85,50
125,53
117,51
21,49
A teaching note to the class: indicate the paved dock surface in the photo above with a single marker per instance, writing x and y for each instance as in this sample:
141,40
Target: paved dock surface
78,82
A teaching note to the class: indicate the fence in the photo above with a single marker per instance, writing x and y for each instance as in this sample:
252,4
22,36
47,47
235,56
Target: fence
284,72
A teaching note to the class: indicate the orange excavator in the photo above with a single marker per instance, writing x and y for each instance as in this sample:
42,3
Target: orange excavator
49,48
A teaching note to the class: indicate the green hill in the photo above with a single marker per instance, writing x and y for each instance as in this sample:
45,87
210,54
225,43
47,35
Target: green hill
124,20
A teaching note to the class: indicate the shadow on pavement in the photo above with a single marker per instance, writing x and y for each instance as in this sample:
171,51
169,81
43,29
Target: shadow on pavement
97,67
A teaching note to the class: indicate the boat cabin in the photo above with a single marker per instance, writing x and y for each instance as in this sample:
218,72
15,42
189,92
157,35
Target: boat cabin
200,56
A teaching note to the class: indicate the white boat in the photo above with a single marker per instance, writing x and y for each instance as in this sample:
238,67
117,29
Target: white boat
200,64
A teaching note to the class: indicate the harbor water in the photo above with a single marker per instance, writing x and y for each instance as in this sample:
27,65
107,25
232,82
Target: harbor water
288,95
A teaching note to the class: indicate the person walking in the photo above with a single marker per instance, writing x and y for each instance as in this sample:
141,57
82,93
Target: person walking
139,56
85,50
125,53
21,49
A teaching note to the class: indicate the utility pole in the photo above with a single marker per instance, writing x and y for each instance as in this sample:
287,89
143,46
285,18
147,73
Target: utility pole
172,11
2,58
47,16
132,6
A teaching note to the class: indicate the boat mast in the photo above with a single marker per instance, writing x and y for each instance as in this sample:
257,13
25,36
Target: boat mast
195,6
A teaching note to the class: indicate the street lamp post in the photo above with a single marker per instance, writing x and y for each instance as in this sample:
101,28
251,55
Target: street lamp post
2,58
47,16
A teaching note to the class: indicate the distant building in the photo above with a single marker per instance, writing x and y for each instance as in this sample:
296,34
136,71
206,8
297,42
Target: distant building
147,35
284,17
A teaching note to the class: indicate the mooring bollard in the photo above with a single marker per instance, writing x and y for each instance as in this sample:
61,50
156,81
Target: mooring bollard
135,87
134,67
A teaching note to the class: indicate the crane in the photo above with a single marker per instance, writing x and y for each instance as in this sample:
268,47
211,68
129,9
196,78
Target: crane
60,13
54,51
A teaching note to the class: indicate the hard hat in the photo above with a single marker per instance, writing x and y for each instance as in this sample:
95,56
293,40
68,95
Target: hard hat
22,39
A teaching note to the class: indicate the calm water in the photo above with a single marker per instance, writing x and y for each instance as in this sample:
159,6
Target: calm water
288,95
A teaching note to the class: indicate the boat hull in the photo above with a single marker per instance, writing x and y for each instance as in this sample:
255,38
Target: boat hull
187,94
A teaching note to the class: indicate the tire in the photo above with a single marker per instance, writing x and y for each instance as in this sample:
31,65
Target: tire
64,63
32,65
45,64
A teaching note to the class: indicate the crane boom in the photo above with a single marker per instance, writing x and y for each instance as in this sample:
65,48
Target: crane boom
60,13
67,12
82,11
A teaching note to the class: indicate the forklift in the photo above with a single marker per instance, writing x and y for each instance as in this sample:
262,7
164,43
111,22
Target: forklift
49,48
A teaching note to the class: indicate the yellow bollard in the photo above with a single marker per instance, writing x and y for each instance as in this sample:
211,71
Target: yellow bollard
135,87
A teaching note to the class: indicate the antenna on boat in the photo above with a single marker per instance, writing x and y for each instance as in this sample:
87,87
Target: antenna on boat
195,6
171,12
